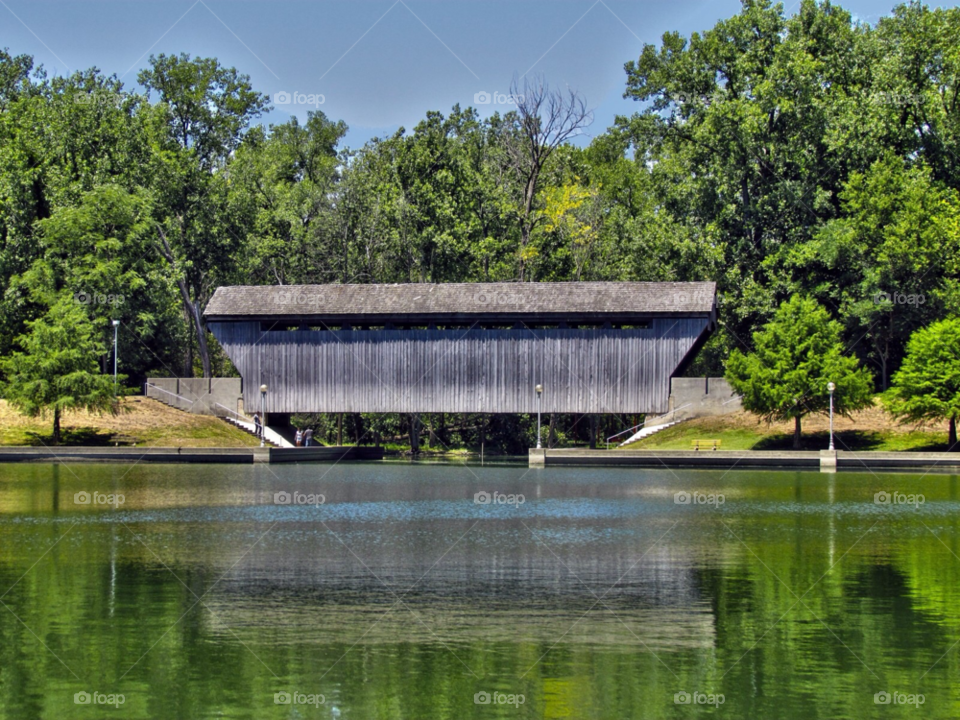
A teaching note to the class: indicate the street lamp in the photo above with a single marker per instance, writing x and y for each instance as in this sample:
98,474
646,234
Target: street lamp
539,390
831,387
116,326
263,417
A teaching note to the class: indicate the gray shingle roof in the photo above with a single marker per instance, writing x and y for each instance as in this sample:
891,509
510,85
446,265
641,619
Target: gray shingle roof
421,300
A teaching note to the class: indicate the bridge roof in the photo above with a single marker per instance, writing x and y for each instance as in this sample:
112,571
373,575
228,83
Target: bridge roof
543,301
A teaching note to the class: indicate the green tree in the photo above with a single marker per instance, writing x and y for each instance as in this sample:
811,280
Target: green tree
796,354
202,113
892,263
927,385
58,368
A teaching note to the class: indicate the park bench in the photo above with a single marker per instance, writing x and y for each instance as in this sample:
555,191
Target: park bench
704,444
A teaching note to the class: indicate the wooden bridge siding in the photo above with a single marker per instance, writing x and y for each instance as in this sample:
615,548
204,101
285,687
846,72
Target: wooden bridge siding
586,370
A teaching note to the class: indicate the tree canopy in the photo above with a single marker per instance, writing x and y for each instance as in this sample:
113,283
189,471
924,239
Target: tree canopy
779,154
796,355
927,385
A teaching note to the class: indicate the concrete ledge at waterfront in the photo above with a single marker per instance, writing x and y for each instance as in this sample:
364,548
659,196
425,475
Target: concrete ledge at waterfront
188,454
130,454
324,454
809,459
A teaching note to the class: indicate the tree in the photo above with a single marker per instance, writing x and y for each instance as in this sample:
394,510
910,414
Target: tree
892,263
58,368
795,356
204,110
927,385
284,183
544,120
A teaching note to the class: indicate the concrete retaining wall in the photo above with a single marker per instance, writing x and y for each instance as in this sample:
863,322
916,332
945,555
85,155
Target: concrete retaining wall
700,397
201,396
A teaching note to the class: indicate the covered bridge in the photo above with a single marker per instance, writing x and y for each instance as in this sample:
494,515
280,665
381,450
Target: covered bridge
594,347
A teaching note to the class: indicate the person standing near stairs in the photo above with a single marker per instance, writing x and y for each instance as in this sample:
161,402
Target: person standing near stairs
257,425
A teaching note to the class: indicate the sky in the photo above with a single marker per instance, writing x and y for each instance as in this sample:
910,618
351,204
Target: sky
376,64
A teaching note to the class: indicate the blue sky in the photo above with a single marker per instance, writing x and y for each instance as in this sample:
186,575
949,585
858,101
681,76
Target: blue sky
378,64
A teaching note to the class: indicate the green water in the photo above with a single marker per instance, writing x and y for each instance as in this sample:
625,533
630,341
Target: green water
395,595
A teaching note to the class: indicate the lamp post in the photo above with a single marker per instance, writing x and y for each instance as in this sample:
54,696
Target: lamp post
116,326
263,417
539,390
831,387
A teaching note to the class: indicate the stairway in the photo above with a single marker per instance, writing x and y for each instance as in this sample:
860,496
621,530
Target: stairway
270,436
646,432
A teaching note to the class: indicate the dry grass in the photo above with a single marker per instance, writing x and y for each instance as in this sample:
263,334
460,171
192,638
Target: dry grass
143,421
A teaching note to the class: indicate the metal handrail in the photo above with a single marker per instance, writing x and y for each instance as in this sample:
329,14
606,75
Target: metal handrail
194,402
624,432
240,417
157,387
636,427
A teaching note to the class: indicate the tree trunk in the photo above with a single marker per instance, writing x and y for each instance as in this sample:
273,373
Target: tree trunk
796,433
339,429
414,433
952,441
552,430
191,308
593,432
56,426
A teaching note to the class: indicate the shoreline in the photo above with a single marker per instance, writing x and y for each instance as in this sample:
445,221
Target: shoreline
239,456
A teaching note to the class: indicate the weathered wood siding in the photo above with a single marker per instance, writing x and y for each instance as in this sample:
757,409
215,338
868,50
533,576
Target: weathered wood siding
476,370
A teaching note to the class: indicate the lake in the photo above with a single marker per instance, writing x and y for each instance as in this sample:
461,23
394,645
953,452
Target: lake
394,590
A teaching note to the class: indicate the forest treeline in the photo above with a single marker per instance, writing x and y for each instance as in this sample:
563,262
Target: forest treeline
807,154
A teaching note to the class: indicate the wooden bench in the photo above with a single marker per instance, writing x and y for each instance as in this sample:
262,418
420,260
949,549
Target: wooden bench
704,444
119,440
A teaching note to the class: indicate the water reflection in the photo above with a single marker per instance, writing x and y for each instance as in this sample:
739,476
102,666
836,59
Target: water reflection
398,596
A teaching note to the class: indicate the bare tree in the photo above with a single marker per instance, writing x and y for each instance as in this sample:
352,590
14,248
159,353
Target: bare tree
545,119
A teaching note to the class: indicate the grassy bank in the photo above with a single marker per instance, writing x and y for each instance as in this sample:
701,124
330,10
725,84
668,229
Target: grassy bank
870,429
144,422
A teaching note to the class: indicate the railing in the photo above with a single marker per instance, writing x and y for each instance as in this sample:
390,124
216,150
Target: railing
637,427
241,418
624,432
157,387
